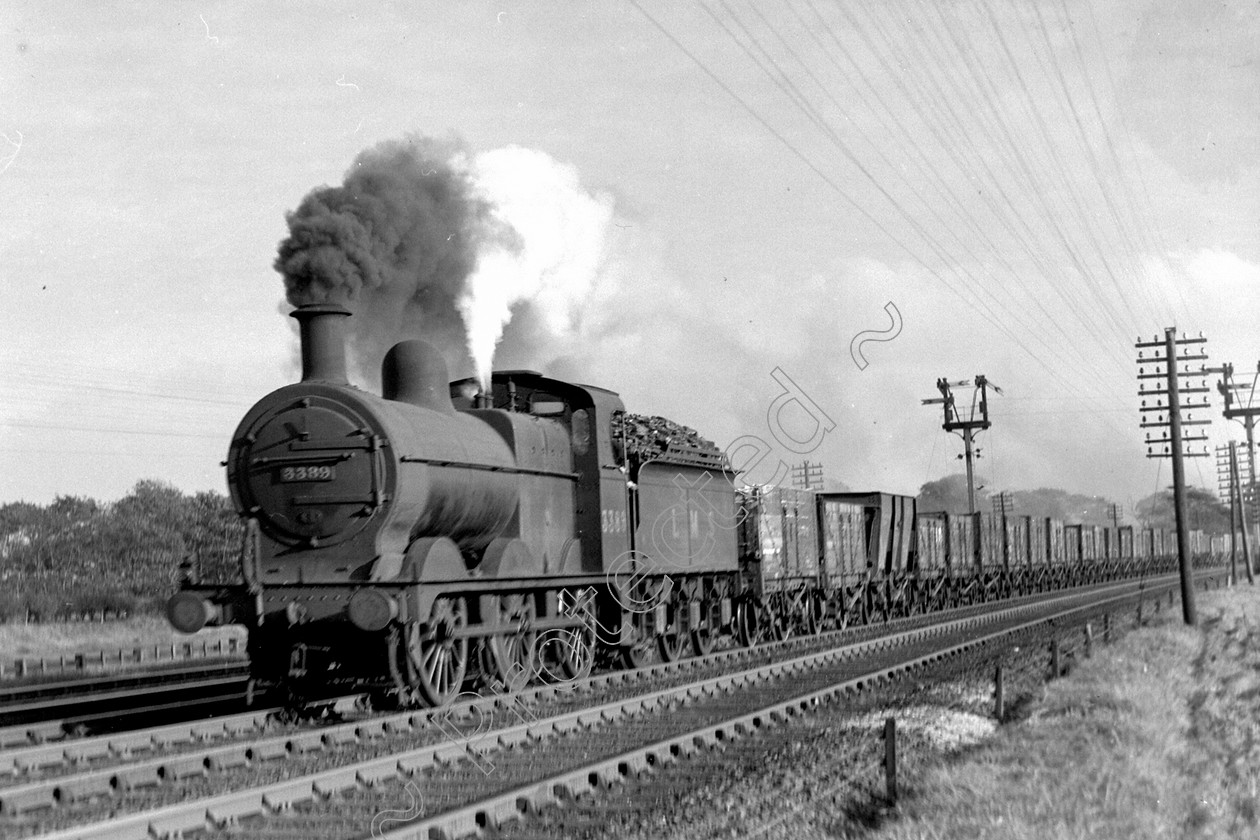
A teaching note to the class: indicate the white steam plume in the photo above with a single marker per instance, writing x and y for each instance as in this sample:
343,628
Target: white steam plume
562,229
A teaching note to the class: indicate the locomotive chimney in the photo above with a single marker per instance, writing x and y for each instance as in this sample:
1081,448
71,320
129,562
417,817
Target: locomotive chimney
414,372
323,342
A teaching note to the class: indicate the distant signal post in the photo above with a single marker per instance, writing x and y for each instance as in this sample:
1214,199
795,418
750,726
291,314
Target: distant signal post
955,423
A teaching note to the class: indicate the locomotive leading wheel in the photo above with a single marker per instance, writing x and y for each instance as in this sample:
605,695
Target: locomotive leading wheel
436,660
509,656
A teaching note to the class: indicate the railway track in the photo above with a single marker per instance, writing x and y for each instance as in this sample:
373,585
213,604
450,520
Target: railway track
485,760
37,710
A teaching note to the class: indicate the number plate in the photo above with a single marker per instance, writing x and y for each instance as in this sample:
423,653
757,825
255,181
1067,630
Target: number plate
324,473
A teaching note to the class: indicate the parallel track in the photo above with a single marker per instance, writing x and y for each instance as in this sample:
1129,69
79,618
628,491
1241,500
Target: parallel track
37,709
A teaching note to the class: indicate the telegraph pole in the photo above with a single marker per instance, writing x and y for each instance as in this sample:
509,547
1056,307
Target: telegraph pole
968,427
1227,483
1172,445
808,476
1236,499
1247,414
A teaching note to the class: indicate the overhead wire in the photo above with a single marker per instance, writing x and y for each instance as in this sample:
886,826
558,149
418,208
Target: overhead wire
1036,187
1146,202
796,152
1073,112
1108,313
1126,242
940,100
1141,230
823,124
764,61
930,173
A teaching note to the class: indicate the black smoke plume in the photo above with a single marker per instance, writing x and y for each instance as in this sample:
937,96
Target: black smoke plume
395,243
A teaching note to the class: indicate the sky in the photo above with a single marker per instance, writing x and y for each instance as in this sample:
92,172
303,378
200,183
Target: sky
1028,186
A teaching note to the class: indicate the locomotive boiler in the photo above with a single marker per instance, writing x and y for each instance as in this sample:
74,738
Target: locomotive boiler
414,540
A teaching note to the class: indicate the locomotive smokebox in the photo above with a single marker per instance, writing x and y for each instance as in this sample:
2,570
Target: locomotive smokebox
323,342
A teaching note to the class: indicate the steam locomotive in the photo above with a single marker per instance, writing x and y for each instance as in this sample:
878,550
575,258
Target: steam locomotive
439,533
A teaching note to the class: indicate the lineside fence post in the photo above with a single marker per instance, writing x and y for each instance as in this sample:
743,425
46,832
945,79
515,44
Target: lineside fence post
999,691
890,759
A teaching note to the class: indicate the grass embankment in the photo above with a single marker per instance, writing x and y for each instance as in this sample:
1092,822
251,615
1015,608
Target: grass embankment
1155,736
64,638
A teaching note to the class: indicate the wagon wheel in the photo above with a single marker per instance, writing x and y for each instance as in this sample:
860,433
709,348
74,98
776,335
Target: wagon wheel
808,619
821,621
436,660
914,600
709,628
749,621
509,657
779,624
843,618
649,646
672,642
568,653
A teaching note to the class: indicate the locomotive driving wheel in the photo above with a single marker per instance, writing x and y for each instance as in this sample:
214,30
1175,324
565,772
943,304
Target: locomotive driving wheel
509,656
436,660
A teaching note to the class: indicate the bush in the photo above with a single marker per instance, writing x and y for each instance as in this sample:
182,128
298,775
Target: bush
12,606
76,556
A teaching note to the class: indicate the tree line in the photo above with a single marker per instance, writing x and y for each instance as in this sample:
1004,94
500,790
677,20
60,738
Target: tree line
77,556
1204,511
